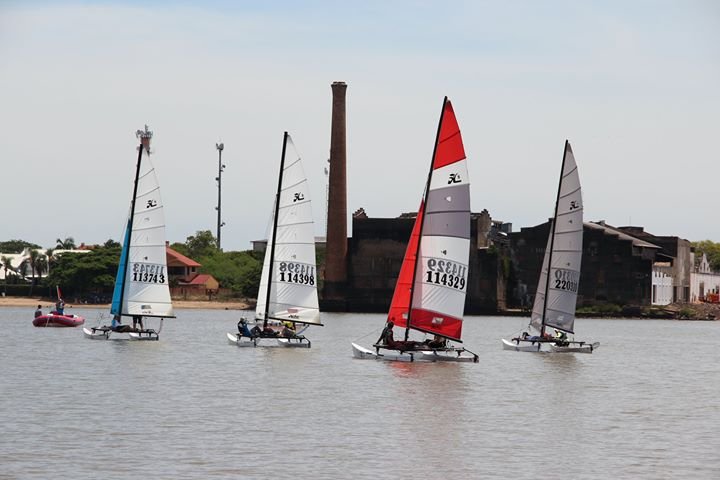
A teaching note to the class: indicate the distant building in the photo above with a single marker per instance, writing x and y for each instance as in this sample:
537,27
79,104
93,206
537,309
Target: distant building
616,267
21,268
179,266
185,280
377,248
704,282
261,245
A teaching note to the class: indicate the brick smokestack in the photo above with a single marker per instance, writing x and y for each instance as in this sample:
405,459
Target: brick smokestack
336,256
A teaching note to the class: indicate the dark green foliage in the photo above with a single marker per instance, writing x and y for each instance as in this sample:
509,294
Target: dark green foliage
202,244
711,249
86,272
237,271
16,246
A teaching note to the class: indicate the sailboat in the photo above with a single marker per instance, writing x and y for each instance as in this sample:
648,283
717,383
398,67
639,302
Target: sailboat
430,290
556,296
141,284
288,284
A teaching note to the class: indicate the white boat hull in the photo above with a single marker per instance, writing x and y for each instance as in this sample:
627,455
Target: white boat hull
522,346
144,336
440,356
241,341
97,334
584,348
416,356
365,354
294,342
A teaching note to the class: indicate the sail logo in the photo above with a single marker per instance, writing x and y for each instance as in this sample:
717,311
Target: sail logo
574,205
454,178
298,273
298,197
151,203
148,273
446,273
567,280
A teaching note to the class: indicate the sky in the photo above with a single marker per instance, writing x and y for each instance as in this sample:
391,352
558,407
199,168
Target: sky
634,86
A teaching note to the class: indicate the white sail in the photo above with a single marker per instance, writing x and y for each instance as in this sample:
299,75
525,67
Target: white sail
566,232
146,290
293,276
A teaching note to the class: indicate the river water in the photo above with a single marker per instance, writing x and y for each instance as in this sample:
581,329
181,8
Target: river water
645,405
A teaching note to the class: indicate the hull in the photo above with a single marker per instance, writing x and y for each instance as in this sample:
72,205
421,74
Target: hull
144,336
522,346
449,356
581,348
240,341
294,342
365,354
96,334
52,320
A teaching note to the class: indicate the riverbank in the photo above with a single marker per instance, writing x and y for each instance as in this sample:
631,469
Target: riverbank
32,303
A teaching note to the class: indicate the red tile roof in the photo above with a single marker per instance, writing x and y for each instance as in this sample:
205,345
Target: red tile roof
180,258
200,279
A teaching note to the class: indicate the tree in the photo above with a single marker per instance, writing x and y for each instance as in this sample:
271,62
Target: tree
202,244
711,249
92,272
6,264
67,244
38,264
237,271
16,246
111,244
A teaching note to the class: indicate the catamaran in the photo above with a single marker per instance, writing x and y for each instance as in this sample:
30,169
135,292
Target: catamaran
556,296
287,299
430,290
141,284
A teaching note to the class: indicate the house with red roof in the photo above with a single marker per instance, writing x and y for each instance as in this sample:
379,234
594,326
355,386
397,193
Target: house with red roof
185,279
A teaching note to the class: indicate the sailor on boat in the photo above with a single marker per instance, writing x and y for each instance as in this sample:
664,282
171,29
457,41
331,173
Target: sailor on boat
117,326
38,312
137,320
60,307
387,340
243,329
288,330
561,338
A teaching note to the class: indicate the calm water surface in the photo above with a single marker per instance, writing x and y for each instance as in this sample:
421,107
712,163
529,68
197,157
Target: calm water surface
645,405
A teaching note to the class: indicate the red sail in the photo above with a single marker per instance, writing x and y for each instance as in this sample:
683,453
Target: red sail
450,145
403,288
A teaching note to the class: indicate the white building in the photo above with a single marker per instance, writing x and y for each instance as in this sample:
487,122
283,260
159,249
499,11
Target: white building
703,281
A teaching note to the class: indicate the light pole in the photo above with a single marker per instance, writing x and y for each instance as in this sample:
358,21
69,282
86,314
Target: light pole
221,167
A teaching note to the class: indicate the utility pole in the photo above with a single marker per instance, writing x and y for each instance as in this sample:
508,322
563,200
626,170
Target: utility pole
221,167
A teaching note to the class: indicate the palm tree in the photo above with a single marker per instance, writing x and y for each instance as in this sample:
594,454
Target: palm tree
32,263
67,244
41,265
6,264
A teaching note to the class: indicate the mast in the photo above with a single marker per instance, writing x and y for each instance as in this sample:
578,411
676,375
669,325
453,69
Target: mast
552,240
144,136
274,230
422,219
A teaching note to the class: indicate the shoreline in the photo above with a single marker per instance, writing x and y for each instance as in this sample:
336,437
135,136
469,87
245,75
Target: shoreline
179,304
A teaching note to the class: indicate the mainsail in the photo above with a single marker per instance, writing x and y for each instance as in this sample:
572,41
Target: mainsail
288,284
432,282
141,284
559,280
